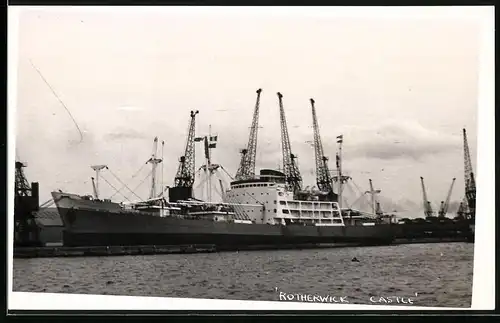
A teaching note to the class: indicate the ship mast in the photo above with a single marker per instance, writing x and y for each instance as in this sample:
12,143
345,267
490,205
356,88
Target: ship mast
210,142
372,192
291,170
340,178
208,163
154,163
246,169
162,168
97,169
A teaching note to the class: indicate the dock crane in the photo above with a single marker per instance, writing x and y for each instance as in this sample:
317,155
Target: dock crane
26,203
470,182
290,168
443,209
323,178
427,205
246,169
184,178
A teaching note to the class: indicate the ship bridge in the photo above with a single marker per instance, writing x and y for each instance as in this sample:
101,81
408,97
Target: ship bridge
266,176
266,199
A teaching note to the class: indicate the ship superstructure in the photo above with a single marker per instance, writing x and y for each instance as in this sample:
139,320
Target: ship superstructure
277,198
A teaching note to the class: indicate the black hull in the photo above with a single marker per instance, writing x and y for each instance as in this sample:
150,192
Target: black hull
222,241
110,228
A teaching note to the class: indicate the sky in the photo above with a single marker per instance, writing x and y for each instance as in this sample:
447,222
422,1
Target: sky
399,89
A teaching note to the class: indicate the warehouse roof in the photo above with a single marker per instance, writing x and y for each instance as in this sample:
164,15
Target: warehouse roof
48,217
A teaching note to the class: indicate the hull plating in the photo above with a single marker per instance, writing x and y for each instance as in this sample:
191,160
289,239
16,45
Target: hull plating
94,228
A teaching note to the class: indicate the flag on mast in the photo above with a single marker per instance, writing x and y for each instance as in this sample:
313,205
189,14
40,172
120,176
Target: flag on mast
207,153
213,142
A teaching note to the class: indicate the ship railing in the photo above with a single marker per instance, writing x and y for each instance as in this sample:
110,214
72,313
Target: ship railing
213,203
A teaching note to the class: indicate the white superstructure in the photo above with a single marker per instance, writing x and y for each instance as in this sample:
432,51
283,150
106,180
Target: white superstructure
266,199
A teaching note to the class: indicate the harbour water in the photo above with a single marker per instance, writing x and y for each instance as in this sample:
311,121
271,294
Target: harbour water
438,274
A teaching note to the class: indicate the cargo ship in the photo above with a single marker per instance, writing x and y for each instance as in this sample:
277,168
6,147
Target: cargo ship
276,219
266,209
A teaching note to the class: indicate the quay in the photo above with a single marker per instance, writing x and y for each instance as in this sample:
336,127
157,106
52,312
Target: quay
100,251
49,252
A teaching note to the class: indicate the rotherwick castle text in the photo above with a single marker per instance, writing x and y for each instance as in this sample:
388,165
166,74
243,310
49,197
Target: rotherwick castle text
312,298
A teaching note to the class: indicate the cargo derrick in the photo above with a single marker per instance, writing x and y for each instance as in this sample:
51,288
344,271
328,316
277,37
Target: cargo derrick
290,168
95,181
340,179
376,209
154,161
470,182
323,178
246,169
446,203
184,179
427,205
25,204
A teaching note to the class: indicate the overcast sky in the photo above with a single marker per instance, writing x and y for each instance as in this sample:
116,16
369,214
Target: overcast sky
400,90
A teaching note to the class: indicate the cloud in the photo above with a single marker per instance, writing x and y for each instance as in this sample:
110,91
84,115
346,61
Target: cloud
398,139
123,133
129,108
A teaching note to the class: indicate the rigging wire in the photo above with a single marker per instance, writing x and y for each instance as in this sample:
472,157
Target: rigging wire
142,182
47,203
60,101
360,192
133,176
113,187
116,177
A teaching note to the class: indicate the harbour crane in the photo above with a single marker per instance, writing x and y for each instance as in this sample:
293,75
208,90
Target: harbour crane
184,178
290,168
443,209
427,205
470,182
22,185
323,178
461,211
246,169
26,203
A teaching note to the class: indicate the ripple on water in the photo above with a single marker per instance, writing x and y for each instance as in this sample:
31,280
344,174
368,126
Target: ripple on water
254,275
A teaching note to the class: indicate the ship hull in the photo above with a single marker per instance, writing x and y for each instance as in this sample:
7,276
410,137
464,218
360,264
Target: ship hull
87,227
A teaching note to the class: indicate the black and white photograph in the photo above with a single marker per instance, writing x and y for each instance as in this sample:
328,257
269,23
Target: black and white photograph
304,156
